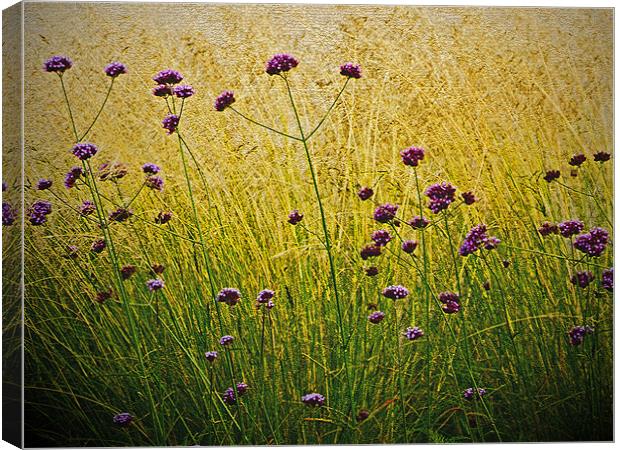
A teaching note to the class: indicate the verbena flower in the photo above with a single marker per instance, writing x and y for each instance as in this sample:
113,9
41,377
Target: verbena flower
226,340
72,252
601,157
592,243
155,284
163,217
569,228
86,208
376,317
476,238
44,184
123,419
72,176
450,302
468,198
101,297
127,271
371,271
395,292
412,156
8,214
265,295
351,70
170,123
183,91
38,212
270,304
279,63
365,193
4,186
151,168
548,228
229,396
111,171
470,393
385,213
84,150
370,251
161,90
409,246
362,415
115,69
224,100
158,268
154,182
242,388
440,196
313,399
577,334
168,76
381,237
582,279
413,333
230,296
486,285
551,175
98,246
120,215
607,278
211,356
58,64
295,217
577,160
419,222
506,263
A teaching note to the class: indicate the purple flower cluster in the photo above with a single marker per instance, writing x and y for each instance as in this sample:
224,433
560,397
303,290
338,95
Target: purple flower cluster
376,317
44,184
577,160
395,292
607,279
577,334
151,169
224,100
548,228
450,302
370,251
162,90
226,340
84,150
582,279
365,193
123,419
295,217
170,123
409,246
385,213
313,399
183,91
468,198
8,214
154,182
39,211
127,271
98,246
551,175
155,284
115,69
86,208
440,195
211,356
168,76
601,157
58,64
279,63
229,395
72,176
470,393
570,227
265,295
476,238
372,271
413,333
351,70
230,296
592,243
163,217
120,215
419,222
381,237
412,156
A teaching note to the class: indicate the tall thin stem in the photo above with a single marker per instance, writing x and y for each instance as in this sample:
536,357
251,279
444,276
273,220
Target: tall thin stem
328,110
105,100
265,126
64,92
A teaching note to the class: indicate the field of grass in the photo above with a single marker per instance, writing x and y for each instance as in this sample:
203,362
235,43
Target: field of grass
496,97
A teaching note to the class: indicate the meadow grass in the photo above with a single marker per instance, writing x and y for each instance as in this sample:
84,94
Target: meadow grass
494,108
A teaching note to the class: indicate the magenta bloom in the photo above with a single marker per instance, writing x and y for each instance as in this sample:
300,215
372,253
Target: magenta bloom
582,279
123,419
551,175
440,195
211,356
295,217
371,271
168,76
58,64
577,334
385,213
313,399
376,317
548,228
381,237
413,333
170,123
450,302
409,246
351,70
607,279
9,214
120,215
161,90
154,182
183,91
470,394
468,198
592,243
412,156
72,176
224,100
44,184
150,168
84,150
365,193
38,212
419,222
602,157
279,63
577,160
163,217
98,246
569,228
155,284
226,340
87,208
370,251
476,238
265,295
115,69
395,292
230,296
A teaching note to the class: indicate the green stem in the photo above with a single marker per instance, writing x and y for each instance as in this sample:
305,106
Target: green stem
64,92
329,110
100,110
264,126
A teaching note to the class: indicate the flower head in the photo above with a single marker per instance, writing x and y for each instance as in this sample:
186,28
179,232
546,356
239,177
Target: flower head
44,184
168,76
362,415
385,213
582,279
58,64
229,396
151,169
123,419
115,69
242,388
72,176
370,251
601,157
381,237
295,217
313,399
158,268
412,156
224,100
102,296
4,186
265,295
163,217
211,356
183,91
468,198
120,215
38,212
577,334
279,63
577,160
112,171
170,123
592,243
161,90
230,296
86,208
155,284
476,238
548,228
226,340
8,214
376,317
395,292
551,175
570,227
351,70
371,271
413,333
450,302
365,193
154,182
419,222
127,271
98,246
84,150
72,252
440,195
470,393
607,278
409,246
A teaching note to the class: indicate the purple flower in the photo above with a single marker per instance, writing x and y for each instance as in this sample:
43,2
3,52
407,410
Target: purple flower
211,356
151,168
115,69
58,64
84,150
280,63
409,246
154,182
38,212
376,317
224,100
412,156
552,175
8,214
506,263
270,304
608,279
371,271
120,215
418,222
477,237
577,160
72,176
161,90
158,268
123,419
87,208
72,252
385,213
170,123
168,76
155,284
265,295
4,186
98,246
362,415
548,228
582,279
570,227
242,388
395,292
468,198
381,237
101,297
601,157
413,333
163,217
450,302
440,195
127,271
295,217
183,91
230,296
577,334
365,193
369,251
350,70
469,393
313,399
229,396
592,243
226,340
44,184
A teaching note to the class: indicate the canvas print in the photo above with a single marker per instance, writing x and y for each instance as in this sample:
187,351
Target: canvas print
237,224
